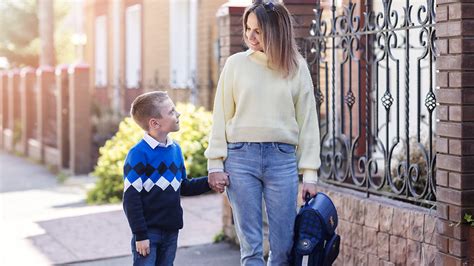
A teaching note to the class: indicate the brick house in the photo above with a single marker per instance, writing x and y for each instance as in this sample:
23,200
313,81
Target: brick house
138,45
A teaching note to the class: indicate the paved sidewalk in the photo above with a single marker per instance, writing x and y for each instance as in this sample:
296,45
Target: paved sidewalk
43,222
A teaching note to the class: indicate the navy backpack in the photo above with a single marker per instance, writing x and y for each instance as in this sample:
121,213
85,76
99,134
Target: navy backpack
315,232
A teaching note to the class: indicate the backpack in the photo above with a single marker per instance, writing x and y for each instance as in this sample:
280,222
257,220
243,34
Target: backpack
314,233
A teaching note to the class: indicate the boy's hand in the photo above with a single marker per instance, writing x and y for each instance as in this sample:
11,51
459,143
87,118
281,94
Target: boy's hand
218,181
143,247
308,188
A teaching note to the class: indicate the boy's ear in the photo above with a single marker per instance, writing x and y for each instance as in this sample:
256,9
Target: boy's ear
153,123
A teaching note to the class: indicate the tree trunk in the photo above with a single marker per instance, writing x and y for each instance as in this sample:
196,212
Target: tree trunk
46,32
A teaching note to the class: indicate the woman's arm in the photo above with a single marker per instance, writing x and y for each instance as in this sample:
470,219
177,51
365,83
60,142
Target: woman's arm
223,111
308,152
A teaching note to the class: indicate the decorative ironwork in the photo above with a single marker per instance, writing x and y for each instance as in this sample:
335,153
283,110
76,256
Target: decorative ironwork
430,101
374,61
350,99
387,100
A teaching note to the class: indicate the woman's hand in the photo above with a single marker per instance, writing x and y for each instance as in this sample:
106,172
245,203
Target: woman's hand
308,188
143,247
218,181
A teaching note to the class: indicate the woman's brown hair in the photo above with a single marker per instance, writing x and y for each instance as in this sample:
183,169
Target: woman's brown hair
279,43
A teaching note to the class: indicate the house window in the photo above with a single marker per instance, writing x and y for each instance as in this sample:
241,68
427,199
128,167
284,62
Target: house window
183,44
101,51
133,46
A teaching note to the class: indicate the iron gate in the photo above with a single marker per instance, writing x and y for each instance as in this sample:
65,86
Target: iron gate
374,73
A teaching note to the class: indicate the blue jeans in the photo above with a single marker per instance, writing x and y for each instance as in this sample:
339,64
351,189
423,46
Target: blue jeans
163,245
263,170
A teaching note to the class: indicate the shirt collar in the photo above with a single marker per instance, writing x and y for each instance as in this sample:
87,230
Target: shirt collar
249,52
153,143
257,56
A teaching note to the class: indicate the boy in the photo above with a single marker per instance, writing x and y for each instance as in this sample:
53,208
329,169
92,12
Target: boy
154,179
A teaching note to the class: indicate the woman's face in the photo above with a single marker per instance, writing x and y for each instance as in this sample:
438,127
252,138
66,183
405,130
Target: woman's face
253,33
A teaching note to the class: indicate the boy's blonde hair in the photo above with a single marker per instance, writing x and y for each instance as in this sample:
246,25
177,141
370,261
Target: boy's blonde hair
147,106
279,43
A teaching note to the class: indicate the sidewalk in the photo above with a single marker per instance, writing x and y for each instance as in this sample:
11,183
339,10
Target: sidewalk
47,223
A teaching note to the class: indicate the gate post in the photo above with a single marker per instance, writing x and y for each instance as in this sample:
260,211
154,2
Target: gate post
455,129
3,102
44,81
230,42
80,119
62,85
27,84
12,133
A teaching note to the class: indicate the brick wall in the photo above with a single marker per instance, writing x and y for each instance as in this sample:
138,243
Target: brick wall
455,94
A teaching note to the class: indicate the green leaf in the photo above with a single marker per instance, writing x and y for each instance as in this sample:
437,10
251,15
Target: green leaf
468,218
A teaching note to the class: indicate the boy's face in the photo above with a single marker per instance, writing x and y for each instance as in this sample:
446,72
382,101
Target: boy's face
169,121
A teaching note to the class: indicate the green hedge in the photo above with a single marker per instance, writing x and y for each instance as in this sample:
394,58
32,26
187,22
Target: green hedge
192,137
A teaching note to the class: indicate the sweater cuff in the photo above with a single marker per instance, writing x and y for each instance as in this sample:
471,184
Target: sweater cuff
139,236
215,164
215,170
310,176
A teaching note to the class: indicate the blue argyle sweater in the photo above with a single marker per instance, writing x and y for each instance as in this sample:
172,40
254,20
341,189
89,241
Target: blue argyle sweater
154,179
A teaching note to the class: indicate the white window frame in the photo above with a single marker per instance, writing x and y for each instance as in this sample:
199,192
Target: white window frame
100,51
183,43
133,46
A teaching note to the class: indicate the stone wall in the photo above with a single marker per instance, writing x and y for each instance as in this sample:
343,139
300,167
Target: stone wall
375,230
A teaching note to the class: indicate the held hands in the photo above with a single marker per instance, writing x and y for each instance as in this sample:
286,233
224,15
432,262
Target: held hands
143,247
218,181
309,188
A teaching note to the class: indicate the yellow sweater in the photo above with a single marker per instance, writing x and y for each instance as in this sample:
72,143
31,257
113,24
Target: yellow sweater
256,104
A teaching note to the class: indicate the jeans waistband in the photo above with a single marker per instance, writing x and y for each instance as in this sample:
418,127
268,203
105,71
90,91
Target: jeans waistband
267,144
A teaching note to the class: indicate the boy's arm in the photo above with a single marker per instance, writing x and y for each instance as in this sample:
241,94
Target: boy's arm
133,207
132,200
192,187
195,186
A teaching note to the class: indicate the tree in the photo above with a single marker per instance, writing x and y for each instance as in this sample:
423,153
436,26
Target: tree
46,32
19,32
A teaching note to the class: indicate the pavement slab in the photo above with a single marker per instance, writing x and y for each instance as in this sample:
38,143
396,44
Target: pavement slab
217,254
45,222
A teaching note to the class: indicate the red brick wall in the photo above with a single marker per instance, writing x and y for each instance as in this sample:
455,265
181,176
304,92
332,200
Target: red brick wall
455,176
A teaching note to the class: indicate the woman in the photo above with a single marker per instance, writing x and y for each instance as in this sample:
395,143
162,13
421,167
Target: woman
265,130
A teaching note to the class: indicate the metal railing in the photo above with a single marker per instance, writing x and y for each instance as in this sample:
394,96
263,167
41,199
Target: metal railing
374,69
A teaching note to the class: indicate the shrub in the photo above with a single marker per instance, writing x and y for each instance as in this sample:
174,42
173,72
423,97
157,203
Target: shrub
192,137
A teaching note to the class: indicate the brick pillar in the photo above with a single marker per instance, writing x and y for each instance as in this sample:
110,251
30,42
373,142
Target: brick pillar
230,31
455,142
27,84
12,132
3,103
303,14
62,85
230,42
44,82
80,119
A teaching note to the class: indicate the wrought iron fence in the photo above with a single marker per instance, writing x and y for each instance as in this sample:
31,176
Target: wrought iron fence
374,69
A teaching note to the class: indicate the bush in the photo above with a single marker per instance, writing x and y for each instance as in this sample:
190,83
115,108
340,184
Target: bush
192,137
